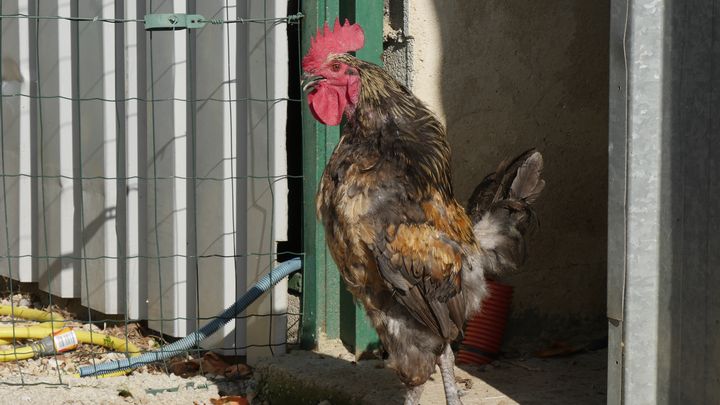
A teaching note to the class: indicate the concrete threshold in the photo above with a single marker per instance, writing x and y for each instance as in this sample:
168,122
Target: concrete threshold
331,376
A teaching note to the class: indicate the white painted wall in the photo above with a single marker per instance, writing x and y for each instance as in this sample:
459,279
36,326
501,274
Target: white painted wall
267,195
204,201
14,128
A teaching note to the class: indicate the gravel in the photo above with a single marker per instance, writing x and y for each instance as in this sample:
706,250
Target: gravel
53,380
140,388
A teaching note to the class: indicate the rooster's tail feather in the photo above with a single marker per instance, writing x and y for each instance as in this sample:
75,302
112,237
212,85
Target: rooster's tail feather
500,209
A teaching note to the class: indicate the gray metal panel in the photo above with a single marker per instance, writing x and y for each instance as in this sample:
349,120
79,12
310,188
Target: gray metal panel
671,310
636,192
96,210
617,115
693,109
617,161
169,130
121,183
58,269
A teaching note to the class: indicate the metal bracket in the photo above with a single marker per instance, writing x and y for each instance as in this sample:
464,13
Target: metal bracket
173,22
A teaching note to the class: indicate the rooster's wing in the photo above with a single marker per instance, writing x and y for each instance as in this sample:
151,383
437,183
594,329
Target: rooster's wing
421,262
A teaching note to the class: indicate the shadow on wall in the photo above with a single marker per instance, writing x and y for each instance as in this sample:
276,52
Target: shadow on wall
518,74
72,259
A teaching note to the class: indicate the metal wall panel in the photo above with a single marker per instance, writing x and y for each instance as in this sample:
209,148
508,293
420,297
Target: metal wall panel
617,172
266,195
664,198
145,170
167,177
690,303
16,240
135,165
636,201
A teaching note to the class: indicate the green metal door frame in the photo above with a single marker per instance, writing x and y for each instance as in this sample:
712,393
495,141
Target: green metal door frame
327,306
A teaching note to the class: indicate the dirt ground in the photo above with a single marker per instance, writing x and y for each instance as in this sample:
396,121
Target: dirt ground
333,376
138,388
578,379
330,376
203,378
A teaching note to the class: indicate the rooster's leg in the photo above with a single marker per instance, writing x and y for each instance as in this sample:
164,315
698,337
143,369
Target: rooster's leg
447,370
412,397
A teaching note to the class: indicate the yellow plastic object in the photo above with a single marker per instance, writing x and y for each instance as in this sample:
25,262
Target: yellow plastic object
40,331
31,314
21,353
25,332
48,319
112,343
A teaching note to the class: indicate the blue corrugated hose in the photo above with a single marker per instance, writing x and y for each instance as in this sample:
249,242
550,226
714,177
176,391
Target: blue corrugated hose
191,340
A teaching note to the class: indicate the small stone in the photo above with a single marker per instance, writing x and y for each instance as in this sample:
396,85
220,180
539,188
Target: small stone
91,327
125,393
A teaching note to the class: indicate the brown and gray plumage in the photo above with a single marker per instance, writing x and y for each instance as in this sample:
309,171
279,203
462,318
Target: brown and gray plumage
407,250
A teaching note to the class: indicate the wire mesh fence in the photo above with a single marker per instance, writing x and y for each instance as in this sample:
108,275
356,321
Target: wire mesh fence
145,179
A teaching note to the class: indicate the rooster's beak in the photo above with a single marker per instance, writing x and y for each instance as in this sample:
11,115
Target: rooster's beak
309,82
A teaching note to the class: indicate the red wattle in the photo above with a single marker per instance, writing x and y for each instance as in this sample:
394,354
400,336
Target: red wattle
327,104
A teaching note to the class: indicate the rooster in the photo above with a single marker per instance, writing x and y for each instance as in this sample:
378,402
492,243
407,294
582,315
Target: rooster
406,249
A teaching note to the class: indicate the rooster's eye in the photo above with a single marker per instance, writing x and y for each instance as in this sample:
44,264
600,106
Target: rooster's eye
335,67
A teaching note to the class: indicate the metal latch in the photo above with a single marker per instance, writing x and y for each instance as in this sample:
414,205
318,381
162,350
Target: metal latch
173,22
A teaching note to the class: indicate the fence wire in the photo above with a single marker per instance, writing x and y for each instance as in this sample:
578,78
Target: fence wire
187,216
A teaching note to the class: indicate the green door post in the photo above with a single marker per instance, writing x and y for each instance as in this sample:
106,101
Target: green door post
327,306
355,329
321,280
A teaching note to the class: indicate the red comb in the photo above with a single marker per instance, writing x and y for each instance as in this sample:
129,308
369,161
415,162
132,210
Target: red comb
342,39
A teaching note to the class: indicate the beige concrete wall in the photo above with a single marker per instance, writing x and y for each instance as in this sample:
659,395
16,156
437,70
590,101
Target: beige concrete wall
508,75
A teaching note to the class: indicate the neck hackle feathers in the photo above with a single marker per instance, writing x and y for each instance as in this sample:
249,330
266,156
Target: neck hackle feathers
342,39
